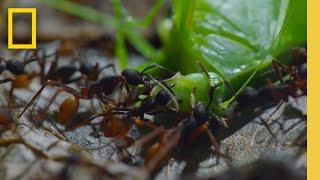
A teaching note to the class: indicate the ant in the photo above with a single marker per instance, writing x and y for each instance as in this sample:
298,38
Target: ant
278,93
189,128
101,89
199,120
162,98
22,78
115,126
297,80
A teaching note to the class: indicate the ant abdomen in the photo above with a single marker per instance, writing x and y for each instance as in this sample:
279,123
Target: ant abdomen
21,81
68,109
152,151
113,126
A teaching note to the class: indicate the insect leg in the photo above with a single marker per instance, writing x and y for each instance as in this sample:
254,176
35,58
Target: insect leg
152,66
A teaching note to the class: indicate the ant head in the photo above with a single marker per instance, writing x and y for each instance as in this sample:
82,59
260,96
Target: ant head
247,95
15,67
201,113
132,76
85,67
162,97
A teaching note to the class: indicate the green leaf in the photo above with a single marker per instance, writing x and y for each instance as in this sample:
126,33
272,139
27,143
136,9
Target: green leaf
233,37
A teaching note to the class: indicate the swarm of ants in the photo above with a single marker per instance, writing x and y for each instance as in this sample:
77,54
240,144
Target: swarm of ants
127,101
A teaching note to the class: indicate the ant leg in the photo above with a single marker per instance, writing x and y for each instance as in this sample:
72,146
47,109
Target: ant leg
213,86
129,96
265,124
108,66
27,55
2,81
147,138
52,68
10,98
74,80
221,120
159,67
5,141
51,100
143,123
279,68
217,148
161,154
63,87
275,110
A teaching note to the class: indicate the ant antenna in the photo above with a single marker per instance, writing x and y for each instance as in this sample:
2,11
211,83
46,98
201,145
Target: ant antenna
213,85
168,90
157,66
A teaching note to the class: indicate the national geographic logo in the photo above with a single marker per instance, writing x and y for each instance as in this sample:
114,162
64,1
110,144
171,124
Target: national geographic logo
33,12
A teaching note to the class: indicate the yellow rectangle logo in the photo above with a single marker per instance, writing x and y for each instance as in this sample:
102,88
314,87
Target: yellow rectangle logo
33,44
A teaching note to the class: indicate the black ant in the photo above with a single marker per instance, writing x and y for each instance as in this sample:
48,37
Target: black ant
118,127
101,89
199,120
162,98
188,129
22,78
288,87
280,93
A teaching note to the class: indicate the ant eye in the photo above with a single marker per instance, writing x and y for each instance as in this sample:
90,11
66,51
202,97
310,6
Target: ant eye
132,76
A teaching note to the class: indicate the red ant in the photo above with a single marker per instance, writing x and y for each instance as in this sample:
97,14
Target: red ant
114,126
22,78
278,93
288,87
101,89
188,129
199,120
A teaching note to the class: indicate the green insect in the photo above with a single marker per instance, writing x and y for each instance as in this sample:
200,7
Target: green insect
214,34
